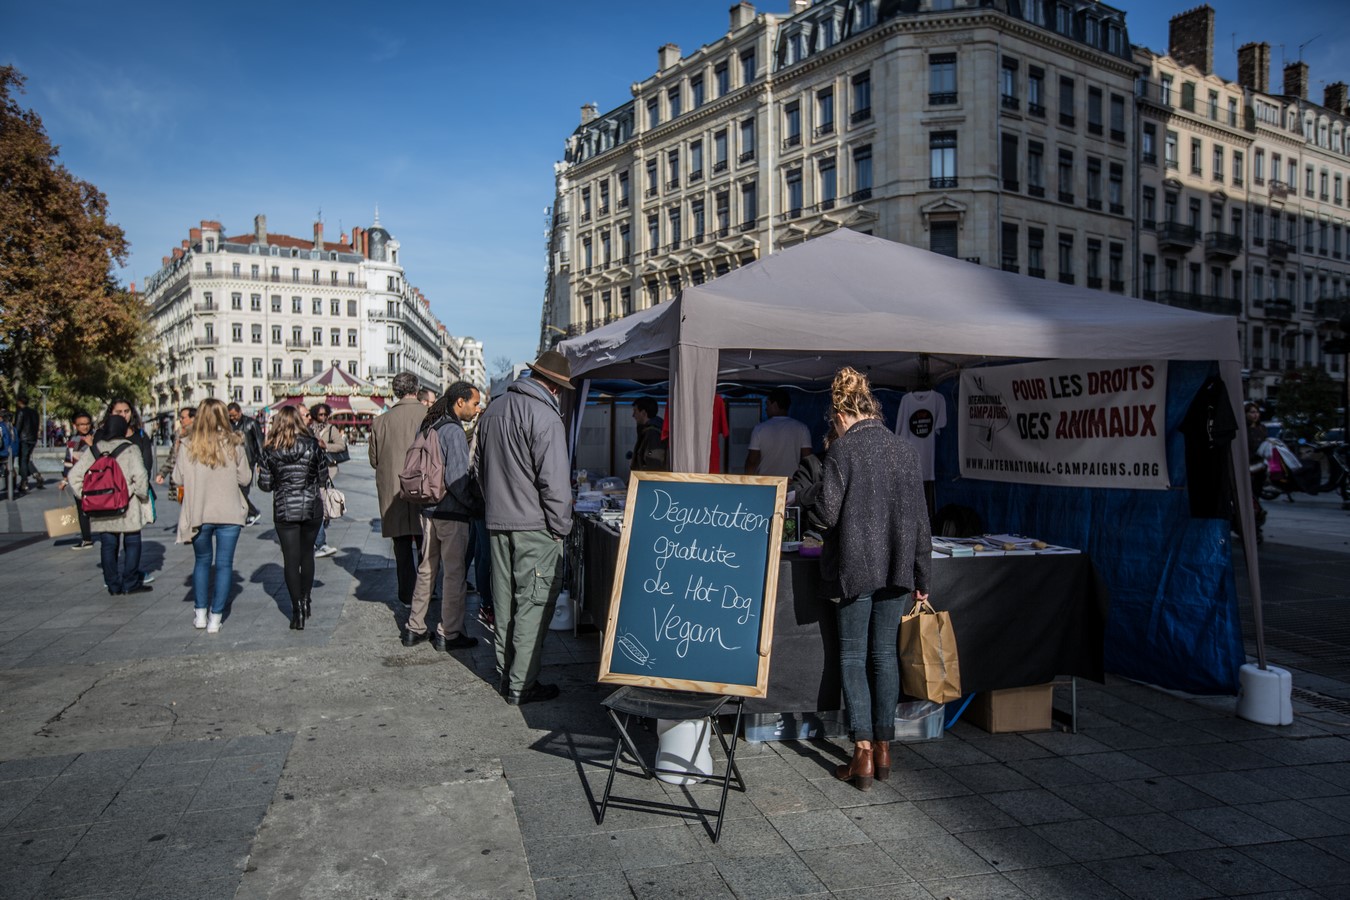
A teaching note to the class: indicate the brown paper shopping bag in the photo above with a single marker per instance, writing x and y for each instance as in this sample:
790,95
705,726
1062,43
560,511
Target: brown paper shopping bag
929,665
61,522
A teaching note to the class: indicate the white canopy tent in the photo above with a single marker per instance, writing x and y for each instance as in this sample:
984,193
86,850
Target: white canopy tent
888,309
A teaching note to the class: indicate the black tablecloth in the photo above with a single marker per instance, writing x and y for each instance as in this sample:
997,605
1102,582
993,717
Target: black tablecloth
1019,620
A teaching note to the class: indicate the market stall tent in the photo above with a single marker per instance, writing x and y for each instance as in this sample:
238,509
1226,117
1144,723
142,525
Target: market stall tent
354,400
895,311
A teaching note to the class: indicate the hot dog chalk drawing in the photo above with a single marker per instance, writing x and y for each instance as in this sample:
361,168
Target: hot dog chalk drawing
632,648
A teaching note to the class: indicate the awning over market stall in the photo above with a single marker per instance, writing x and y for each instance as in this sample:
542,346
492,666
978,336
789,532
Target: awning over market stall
352,399
894,312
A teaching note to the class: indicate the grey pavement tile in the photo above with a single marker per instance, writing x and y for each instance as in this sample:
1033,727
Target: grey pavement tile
1151,878
1005,747
1172,760
1124,737
118,876
894,822
35,767
1236,757
690,879
1229,872
908,891
792,793
1053,771
1088,840
155,803
972,813
1072,882
217,826
1231,826
1335,773
1305,863
1299,819
989,777
1161,833
235,768
15,795
1303,752
67,800
125,836
950,753
975,887
184,752
212,889
1114,765
668,844
740,837
24,848
583,887
845,795
1336,846
1035,806
1232,787
233,793
931,856
192,864
1297,783
925,784
1063,743
1168,794
857,866
572,854
1013,848
1101,799
781,875
168,775
816,829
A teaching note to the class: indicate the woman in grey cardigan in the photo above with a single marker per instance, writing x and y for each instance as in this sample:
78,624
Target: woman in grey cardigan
211,468
879,548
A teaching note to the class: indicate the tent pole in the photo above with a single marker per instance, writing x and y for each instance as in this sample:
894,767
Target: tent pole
1232,379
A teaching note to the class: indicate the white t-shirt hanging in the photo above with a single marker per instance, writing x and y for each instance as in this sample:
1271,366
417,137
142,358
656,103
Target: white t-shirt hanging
922,415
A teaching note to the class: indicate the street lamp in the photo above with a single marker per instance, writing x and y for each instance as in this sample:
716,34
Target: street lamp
44,389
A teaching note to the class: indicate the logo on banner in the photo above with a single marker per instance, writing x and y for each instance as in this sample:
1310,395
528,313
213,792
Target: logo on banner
921,423
1066,422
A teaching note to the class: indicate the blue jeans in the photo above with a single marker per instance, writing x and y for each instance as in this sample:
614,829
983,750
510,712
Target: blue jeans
126,576
869,626
322,537
225,538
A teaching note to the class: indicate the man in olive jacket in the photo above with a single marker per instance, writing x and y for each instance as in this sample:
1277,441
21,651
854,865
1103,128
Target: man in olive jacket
391,434
527,489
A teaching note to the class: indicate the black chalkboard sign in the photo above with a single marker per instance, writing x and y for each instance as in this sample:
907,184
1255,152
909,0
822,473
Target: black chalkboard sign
697,559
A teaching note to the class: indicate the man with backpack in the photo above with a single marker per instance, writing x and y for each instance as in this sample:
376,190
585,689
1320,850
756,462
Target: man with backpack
445,525
391,434
113,488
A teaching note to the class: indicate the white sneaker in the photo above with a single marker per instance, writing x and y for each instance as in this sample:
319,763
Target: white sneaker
213,623
199,620
325,550
251,520
146,578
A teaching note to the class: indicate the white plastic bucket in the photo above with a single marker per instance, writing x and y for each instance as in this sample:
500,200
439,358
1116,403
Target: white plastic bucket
562,613
1265,695
683,745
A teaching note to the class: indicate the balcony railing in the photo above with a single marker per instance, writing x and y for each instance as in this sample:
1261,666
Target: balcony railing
938,183
1222,244
299,345
942,98
862,194
1280,309
746,156
1175,235
1278,190
205,341
860,115
1278,249
1207,303
1035,273
824,129
1036,109
206,308
1330,310
719,166
1012,104
792,140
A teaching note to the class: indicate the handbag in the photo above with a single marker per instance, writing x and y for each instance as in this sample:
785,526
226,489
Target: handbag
930,667
338,458
62,522
334,502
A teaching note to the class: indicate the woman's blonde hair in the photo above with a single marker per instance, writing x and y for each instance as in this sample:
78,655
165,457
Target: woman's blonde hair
852,395
213,440
285,428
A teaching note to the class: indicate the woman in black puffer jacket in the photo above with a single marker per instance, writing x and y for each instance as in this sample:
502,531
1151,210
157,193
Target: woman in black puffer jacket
292,468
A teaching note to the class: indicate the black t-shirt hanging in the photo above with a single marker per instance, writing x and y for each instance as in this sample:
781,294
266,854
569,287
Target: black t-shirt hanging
1209,429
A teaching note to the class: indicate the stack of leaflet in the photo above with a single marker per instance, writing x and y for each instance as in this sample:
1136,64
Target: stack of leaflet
954,546
589,501
996,545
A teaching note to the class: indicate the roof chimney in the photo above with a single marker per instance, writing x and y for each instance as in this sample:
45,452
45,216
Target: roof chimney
195,235
177,252
589,113
185,245
1190,38
742,14
260,228
667,56
1254,67
318,235
1335,96
800,6
164,260
1296,80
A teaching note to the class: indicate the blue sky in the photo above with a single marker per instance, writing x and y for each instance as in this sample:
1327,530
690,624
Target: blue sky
448,116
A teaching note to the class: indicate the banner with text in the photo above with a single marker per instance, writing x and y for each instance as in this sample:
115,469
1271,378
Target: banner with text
1066,422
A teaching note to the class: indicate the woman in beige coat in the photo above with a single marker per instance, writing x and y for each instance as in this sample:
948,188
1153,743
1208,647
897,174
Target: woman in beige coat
122,532
211,468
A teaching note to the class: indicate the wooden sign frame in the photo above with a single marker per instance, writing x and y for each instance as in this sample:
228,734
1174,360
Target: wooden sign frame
770,600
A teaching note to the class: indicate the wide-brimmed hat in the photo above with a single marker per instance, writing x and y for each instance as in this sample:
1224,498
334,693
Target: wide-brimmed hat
554,366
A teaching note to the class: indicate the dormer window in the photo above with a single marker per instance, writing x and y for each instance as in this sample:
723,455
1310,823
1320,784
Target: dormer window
210,245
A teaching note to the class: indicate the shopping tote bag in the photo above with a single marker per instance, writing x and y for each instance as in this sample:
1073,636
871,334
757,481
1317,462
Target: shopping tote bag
930,668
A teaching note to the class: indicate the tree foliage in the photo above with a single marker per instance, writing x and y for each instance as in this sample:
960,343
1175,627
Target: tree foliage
62,316
1307,402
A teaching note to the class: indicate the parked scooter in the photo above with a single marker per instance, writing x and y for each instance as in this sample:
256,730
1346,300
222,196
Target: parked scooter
1316,469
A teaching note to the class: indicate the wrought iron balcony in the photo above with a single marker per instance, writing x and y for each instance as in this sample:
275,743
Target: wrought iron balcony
1207,303
1330,310
1222,244
1177,236
1280,310
1278,249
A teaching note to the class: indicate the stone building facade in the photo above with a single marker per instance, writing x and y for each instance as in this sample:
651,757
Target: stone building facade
242,317
998,132
1242,206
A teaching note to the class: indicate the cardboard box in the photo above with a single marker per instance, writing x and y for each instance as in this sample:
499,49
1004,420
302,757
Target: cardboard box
1013,709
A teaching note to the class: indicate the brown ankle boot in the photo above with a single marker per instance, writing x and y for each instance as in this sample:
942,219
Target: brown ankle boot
881,759
859,769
